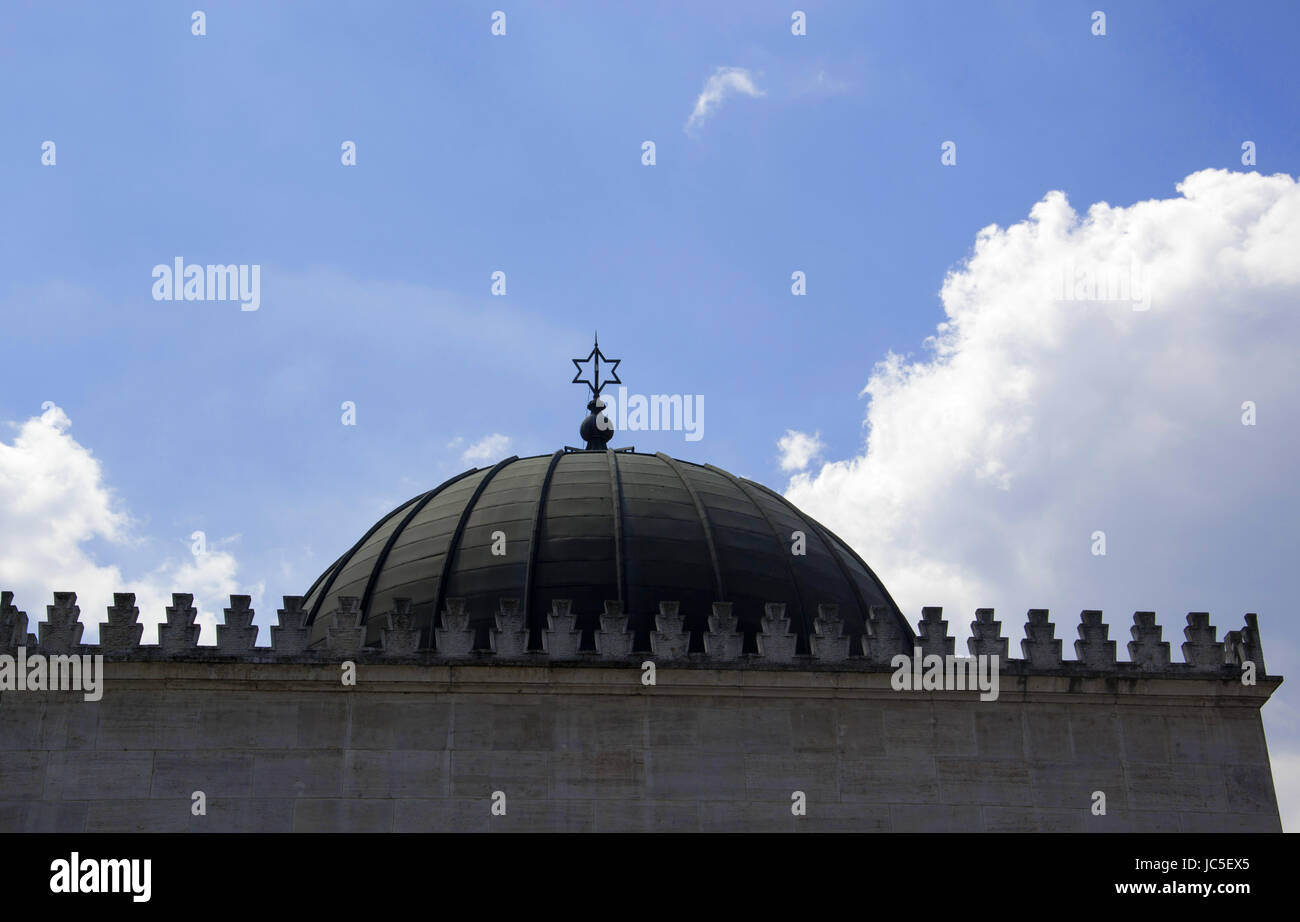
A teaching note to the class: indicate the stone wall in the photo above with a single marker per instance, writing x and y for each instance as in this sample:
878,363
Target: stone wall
279,747
573,739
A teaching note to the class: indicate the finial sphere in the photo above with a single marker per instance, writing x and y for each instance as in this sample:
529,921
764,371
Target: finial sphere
597,429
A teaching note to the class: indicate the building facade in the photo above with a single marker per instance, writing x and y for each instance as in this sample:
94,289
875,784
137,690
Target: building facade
601,640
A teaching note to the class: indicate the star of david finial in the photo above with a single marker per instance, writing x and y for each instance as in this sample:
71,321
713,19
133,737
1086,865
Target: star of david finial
594,358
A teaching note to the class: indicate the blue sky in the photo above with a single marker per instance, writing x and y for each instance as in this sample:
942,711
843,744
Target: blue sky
522,153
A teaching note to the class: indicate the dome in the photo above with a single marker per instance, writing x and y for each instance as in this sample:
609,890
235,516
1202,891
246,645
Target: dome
597,525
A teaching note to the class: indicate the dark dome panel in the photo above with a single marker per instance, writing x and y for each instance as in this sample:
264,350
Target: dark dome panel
592,526
576,556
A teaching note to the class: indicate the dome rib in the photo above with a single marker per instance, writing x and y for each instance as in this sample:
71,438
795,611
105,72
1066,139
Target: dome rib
616,493
373,579
844,546
705,523
326,572
834,544
530,572
780,541
830,549
343,561
454,546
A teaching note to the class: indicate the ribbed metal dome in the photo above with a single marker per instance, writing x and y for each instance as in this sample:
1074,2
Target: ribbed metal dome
592,526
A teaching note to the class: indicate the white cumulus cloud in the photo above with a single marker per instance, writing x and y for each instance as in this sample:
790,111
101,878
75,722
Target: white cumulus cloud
722,83
798,449
54,503
1032,422
1038,416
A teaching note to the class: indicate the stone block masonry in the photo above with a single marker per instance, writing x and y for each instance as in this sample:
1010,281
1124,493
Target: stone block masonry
427,742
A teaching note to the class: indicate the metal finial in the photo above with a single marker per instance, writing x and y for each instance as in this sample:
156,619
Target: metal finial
596,429
595,357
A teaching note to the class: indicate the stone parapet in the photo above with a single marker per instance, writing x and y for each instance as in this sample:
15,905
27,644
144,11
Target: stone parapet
773,638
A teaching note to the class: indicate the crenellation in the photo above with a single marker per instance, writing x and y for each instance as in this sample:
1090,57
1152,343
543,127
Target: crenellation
289,637
179,634
1094,648
667,640
1234,651
1146,650
238,634
776,642
455,637
830,643
884,638
561,637
346,635
986,636
1202,650
1253,645
507,635
1040,648
399,636
613,638
723,641
932,633
121,633
61,630
13,625
509,632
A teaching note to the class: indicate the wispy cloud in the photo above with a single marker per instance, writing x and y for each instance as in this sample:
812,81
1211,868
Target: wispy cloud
723,83
824,83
